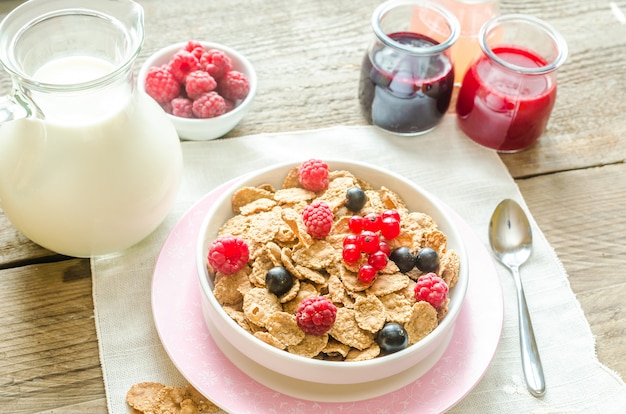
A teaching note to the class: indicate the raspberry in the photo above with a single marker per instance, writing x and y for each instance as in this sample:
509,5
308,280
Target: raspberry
167,107
181,107
234,85
161,85
315,315
228,254
195,48
209,105
318,219
198,83
432,289
197,53
192,45
313,175
196,73
216,62
230,105
182,64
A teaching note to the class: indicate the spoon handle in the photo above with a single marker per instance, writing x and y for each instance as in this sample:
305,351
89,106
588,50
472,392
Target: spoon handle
531,362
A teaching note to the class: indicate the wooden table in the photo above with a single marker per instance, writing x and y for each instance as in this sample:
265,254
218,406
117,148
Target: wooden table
307,55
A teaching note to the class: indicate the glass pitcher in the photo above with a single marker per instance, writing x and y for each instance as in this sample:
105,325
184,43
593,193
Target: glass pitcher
89,165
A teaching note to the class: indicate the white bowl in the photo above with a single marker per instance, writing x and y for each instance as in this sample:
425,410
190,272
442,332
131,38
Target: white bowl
210,128
315,370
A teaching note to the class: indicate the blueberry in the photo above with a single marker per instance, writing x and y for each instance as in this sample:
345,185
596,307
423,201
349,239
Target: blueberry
278,280
392,338
355,199
403,258
427,260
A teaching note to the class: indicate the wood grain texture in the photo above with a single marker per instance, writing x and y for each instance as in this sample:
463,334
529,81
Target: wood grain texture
307,55
48,348
582,214
16,249
96,406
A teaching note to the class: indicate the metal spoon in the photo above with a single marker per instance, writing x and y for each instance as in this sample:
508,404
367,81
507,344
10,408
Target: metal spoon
511,241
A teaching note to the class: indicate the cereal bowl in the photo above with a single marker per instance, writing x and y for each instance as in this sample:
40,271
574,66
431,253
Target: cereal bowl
203,129
318,370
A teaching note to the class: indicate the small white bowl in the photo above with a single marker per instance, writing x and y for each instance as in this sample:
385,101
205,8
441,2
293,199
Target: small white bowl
211,128
315,370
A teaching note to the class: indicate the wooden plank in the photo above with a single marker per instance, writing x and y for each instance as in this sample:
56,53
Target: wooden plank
582,215
16,249
49,349
98,406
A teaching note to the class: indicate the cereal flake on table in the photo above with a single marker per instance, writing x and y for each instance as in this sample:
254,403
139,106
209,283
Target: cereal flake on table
329,267
156,398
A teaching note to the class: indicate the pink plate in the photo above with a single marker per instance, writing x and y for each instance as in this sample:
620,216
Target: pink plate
177,309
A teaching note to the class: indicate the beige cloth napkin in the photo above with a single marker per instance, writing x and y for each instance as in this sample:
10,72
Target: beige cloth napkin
470,179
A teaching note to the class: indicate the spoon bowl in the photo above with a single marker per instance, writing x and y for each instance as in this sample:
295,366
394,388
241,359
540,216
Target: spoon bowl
511,239
510,234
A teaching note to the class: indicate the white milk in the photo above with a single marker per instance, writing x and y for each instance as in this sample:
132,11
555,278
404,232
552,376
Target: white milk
78,107
98,174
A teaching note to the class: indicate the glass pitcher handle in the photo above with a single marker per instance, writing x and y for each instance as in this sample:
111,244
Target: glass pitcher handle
12,108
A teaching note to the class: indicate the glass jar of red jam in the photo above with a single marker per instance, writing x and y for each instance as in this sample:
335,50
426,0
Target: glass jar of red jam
508,93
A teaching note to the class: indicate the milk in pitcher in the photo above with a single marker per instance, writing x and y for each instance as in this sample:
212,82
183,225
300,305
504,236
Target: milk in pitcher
97,161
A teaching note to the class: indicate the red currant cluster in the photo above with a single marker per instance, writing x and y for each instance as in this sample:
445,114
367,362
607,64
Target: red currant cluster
367,244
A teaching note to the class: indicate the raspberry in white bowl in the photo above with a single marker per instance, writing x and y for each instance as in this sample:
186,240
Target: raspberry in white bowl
205,88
